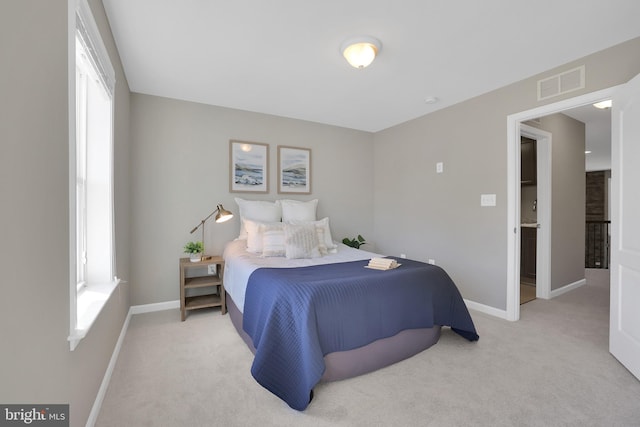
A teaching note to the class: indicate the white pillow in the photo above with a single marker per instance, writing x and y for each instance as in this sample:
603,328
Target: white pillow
301,241
295,210
322,245
257,210
254,236
273,239
326,231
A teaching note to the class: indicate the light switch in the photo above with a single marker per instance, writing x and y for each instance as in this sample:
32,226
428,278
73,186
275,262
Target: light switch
487,200
439,167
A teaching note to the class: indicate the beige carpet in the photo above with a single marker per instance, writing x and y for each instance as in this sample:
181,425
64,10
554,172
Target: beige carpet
551,368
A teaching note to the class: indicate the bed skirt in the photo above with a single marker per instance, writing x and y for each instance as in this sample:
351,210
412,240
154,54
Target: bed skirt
340,365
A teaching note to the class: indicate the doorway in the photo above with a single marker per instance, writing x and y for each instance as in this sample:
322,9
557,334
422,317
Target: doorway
537,227
528,219
515,127
542,228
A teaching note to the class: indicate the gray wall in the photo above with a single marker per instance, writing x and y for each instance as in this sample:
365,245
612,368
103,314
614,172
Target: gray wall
429,215
568,188
181,158
37,366
179,167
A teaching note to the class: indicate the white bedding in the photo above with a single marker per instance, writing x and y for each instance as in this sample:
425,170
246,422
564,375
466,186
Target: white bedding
239,264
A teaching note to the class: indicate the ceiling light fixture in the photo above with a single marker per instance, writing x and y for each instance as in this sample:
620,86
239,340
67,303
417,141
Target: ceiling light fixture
360,51
603,104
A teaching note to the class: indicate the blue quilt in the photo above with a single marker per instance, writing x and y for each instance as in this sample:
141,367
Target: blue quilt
295,316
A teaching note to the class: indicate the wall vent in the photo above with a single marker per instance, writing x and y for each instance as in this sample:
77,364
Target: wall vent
561,83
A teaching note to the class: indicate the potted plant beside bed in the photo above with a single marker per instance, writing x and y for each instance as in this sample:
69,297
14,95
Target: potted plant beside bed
194,249
355,242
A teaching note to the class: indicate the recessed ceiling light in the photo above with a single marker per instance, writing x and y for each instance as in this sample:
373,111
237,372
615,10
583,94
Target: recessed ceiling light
430,100
603,104
587,152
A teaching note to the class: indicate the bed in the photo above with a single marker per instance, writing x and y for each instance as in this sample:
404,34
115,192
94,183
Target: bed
328,317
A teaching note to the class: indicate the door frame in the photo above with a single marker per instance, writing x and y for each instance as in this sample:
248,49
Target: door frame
543,238
514,123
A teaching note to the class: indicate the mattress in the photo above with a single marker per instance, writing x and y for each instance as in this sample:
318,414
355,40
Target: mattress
239,264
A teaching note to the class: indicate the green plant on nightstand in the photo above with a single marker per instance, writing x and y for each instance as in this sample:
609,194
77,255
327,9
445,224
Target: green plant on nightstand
194,249
355,242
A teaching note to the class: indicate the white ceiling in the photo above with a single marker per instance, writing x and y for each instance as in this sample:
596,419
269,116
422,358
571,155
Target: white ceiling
281,57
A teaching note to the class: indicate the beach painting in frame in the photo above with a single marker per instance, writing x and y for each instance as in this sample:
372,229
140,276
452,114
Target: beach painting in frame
248,167
294,170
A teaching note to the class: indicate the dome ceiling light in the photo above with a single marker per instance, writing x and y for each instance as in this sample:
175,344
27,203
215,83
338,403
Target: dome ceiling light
360,51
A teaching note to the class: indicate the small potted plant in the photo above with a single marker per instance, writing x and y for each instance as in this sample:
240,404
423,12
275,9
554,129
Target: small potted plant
354,243
194,249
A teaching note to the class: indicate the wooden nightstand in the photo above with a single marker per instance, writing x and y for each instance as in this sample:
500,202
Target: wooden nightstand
213,297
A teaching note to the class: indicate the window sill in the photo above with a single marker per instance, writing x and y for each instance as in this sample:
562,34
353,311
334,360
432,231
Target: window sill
90,301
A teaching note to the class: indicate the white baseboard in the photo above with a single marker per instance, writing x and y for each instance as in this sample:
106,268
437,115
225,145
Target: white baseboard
135,309
502,314
102,391
566,288
492,311
160,306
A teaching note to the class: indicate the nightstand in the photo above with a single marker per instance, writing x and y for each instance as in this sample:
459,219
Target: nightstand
212,293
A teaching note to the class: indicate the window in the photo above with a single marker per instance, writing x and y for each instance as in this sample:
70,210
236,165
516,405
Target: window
91,176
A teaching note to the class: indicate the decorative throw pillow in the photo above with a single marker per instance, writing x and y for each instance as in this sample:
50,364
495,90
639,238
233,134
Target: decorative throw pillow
295,210
273,240
254,236
257,210
301,241
326,231
322,246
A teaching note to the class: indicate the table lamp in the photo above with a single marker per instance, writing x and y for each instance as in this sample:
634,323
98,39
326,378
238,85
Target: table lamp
222,215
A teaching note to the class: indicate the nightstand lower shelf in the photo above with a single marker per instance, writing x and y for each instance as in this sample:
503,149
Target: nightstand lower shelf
202,301
203,281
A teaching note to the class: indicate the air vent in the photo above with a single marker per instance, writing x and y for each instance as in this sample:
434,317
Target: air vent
562,83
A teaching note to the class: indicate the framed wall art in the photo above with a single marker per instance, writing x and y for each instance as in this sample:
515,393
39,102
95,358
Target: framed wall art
294,170
248,167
